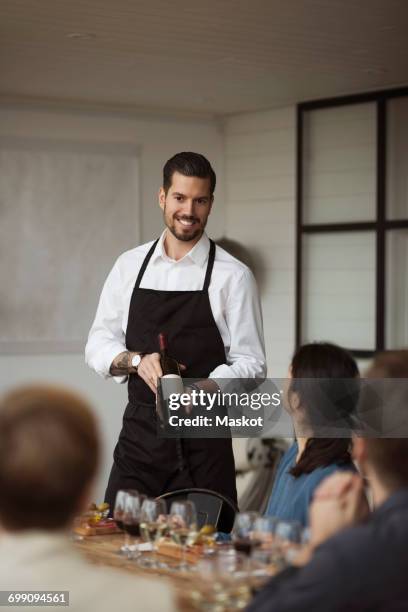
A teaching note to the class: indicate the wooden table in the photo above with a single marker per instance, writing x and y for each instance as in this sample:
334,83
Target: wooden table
103,550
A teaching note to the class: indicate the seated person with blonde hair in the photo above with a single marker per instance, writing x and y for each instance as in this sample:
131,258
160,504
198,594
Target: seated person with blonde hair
49,450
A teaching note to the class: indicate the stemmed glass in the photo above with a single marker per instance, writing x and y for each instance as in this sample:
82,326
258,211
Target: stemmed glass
223,582
265,556
118,514
183,525
288,538
243,532
264,530
152,524
131,518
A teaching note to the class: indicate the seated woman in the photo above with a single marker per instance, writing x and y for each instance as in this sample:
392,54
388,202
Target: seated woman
314,406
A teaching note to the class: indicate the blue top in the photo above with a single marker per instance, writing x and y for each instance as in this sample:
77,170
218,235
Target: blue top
290,497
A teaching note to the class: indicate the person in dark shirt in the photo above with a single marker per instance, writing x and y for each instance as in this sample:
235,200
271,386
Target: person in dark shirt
357,561
320,374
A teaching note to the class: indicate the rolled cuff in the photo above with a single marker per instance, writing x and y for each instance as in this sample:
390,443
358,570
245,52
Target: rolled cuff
102,361
221,374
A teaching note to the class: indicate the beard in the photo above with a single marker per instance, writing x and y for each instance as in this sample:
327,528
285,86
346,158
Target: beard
187,234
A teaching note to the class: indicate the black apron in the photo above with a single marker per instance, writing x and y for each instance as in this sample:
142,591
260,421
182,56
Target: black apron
142,460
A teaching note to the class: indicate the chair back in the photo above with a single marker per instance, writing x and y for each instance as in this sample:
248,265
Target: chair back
212,508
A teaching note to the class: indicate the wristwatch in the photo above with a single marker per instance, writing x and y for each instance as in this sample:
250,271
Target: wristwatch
136,359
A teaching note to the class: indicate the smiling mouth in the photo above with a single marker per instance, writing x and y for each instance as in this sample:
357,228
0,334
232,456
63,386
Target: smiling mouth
187,222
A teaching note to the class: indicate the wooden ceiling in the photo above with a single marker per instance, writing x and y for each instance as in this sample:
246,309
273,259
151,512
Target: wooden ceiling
214,57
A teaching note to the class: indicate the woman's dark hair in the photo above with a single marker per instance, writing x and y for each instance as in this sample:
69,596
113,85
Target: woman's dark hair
330,401
188,164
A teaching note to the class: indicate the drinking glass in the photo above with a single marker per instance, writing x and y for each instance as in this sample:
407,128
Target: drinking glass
118,513
263,567
264,530
152,520
288,537
183,526
298,554
243,534
233,575
222,582
288,532
131,518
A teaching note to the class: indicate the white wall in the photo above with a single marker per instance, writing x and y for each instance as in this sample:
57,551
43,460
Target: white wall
158,138
260,213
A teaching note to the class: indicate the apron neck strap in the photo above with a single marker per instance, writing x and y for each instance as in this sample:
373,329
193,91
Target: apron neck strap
210,265
211,257
144,264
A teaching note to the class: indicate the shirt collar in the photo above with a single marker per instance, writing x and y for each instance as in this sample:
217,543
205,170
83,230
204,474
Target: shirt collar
198,254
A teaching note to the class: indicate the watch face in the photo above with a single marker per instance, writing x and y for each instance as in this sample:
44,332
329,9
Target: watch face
136,360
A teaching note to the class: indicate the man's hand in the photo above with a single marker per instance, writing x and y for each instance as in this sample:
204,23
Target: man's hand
338,503
149,370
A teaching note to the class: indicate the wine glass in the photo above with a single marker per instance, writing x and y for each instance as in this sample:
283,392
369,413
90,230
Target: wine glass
243,532
183,526
288,532
131,518
152,521
222,581
264,530
288,538
233,570
263,567
118,513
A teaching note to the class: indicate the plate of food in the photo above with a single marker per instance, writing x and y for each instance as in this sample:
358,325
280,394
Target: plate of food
95,521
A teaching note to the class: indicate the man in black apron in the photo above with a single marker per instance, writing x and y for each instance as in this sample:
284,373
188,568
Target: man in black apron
142,460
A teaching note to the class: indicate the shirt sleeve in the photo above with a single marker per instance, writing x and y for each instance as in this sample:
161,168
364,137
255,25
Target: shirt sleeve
245,356
106,338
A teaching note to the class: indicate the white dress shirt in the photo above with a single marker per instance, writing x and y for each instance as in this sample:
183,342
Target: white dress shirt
233,297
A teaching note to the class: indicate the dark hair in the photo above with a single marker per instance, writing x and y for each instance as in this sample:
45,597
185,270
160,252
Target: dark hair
329,399
49,450
189,164
389,456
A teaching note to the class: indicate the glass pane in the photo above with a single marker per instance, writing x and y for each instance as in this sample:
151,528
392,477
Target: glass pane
339,164
397,158
338,296
396,325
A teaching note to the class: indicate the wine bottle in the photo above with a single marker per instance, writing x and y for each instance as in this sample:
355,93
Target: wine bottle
171,382
168,364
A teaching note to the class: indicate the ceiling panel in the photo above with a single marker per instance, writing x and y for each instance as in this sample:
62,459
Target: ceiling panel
221,56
